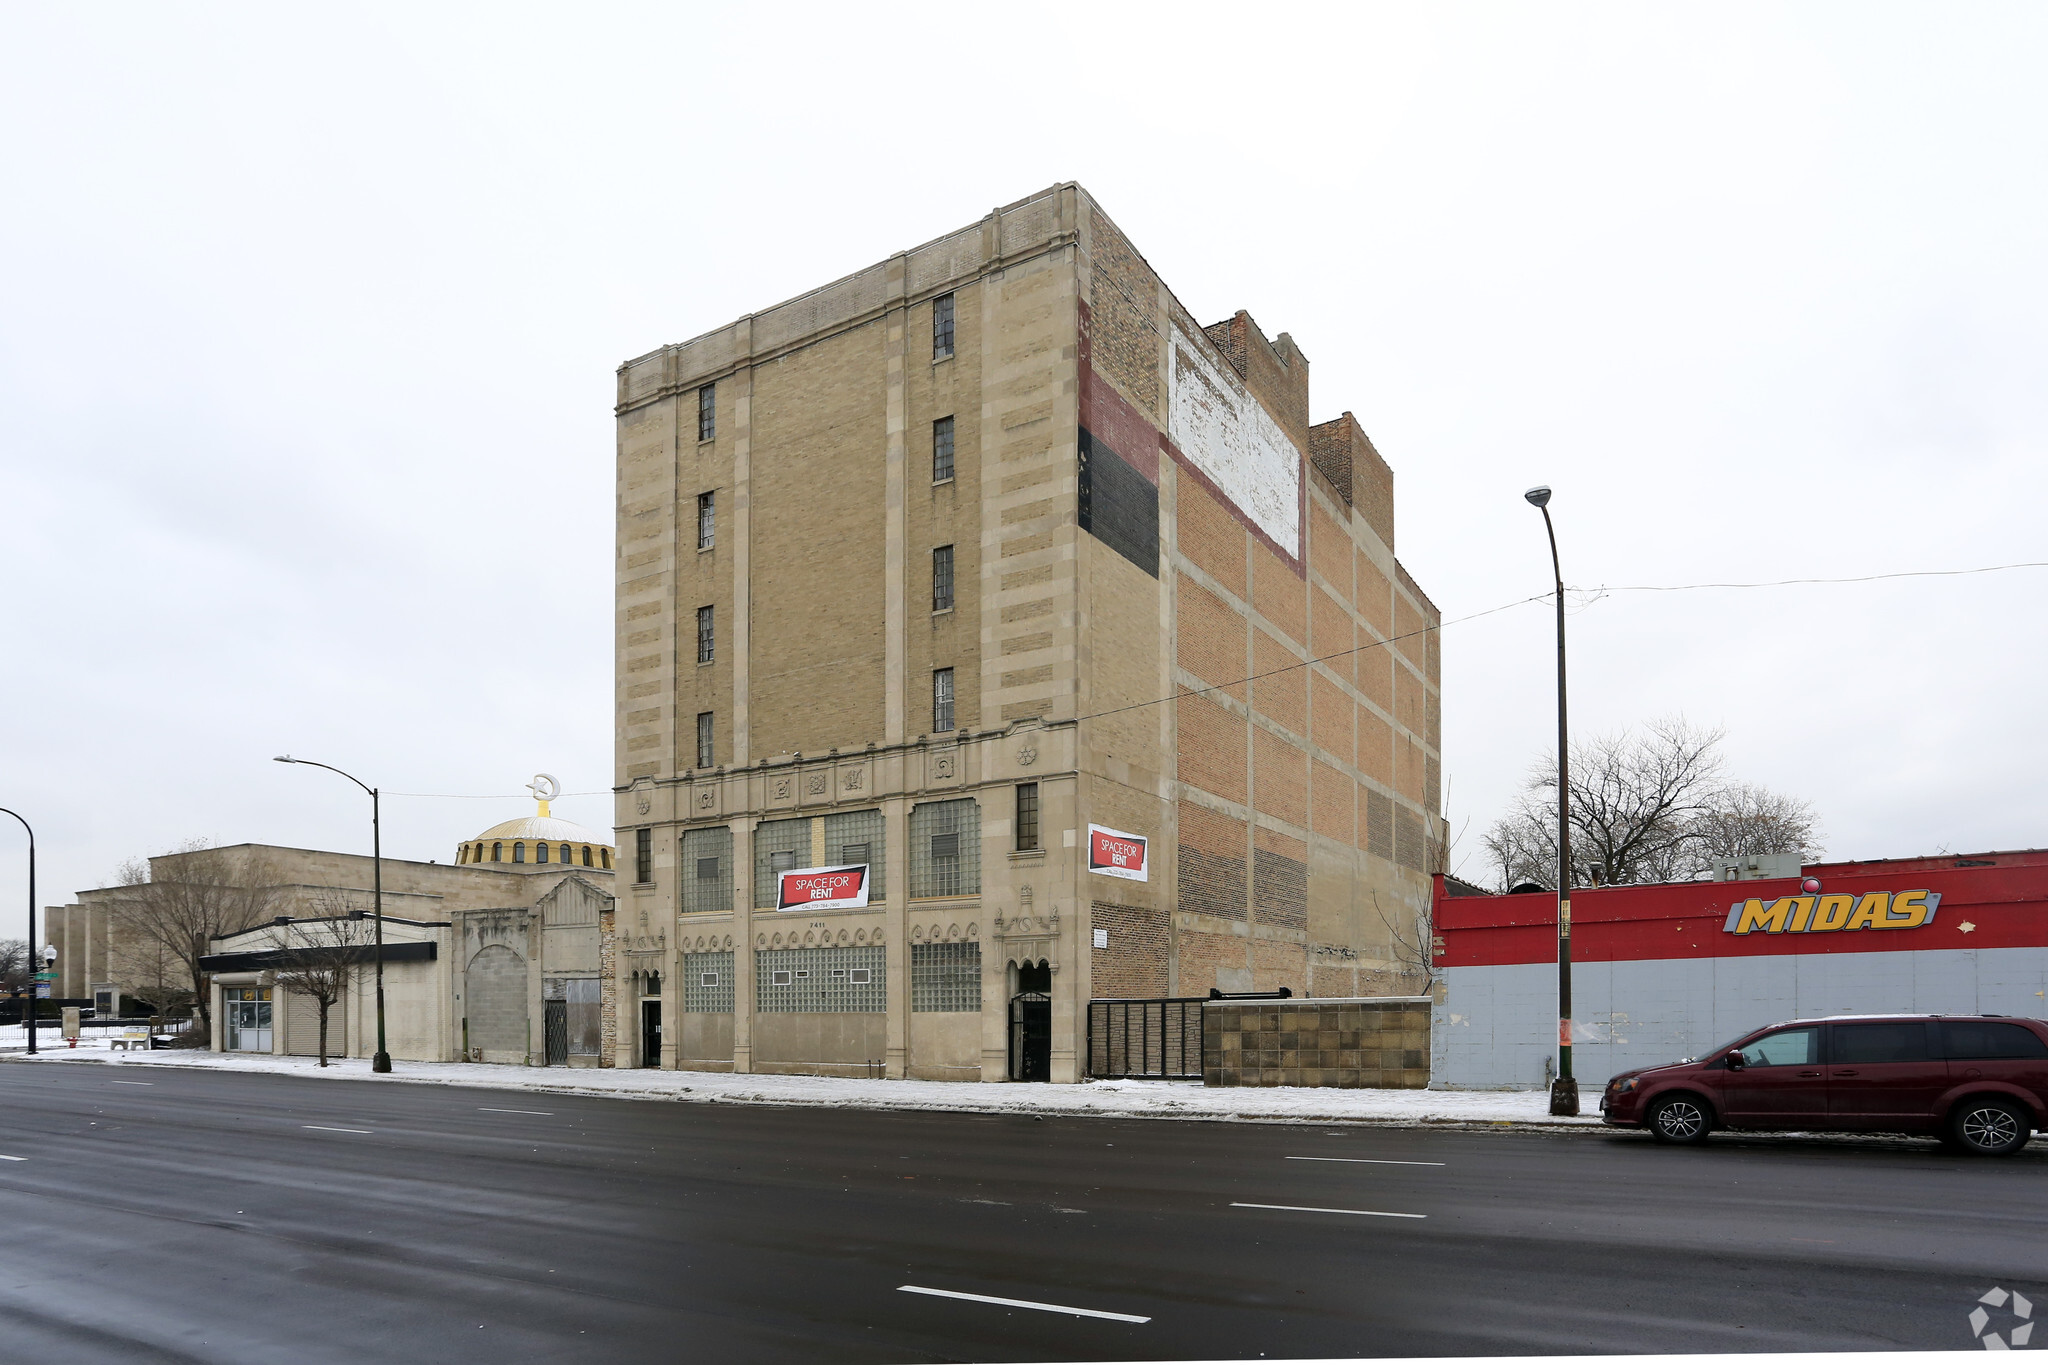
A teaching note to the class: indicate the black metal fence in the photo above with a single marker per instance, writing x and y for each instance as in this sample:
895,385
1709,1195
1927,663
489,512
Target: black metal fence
1153,1039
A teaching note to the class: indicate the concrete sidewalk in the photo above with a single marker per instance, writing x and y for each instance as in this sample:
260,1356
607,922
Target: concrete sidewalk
1108,1099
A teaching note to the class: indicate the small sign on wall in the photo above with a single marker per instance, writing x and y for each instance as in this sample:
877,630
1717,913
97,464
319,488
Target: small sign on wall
823,888
1102,938
1114,853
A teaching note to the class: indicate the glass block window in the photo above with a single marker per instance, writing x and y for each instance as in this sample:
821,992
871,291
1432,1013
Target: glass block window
942,578
856,836
643,855
707,520
945,978
779,846
819,981
704,754
942,450
707,412
707,635
707,983
945,849
942,700
942,326
1027,817
707,870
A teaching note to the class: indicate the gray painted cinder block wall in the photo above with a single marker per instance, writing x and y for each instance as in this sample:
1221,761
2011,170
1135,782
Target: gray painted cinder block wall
1495,1027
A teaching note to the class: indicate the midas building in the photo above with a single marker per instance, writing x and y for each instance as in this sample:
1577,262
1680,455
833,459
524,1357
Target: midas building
993,636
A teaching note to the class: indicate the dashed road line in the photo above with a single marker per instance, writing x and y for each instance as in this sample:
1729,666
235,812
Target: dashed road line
543,1113
323,1128
1365,1161
13,1158
1021,1303
131,1082
1300,1208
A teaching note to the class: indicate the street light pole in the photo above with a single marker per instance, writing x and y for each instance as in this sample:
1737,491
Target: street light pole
1564,1091
382,1060
35,955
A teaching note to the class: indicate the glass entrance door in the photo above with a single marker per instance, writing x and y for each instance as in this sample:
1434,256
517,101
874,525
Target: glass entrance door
247,1018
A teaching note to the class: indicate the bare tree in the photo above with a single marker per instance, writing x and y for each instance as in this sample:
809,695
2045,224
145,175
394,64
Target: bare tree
319,957
1645,807
15,972
179,902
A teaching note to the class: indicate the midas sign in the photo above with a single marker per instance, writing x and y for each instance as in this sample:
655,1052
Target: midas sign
1826,914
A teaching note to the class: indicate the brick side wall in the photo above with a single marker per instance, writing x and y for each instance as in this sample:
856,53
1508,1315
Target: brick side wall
1354,1044
1134,964
1211,868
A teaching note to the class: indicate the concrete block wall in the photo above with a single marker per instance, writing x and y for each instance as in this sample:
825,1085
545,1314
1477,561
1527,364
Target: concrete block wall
1380,1043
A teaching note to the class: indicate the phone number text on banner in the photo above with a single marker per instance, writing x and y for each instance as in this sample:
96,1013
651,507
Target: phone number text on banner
823,888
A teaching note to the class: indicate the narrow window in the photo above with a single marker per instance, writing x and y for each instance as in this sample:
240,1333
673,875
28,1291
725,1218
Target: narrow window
942,450
707,520
707,412
706,637
606,855
643,856
704,739
1027,817
942,326
540,854
942,700
586,855
519,852
942,578
497,853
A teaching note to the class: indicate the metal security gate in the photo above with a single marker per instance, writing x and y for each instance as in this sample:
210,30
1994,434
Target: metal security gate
555,1027
1158,1039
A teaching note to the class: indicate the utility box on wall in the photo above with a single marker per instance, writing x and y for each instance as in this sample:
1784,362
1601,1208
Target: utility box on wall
1376,1043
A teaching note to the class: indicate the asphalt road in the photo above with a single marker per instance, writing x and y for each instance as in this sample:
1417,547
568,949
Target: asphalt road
162,1215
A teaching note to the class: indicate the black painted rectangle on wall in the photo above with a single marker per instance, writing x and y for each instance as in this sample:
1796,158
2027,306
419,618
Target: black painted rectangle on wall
1119,506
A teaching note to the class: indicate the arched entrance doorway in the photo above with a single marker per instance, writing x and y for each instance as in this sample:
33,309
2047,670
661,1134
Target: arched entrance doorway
1031,1024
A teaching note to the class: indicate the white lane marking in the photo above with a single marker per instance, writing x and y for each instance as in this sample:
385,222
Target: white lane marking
132,1082
1298,1208
13,1158
1365,1161
323,1128
544,1113
1021,1303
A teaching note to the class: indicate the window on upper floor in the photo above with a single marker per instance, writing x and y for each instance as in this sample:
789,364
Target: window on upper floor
707,638
643,856
707,412
942,700
942,578
707,520
704,739
942,326
942,450
1027,817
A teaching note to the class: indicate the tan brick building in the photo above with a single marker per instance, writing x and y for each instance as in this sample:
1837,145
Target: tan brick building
935,567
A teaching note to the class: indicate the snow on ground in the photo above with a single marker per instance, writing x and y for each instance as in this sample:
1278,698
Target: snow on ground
1110,1099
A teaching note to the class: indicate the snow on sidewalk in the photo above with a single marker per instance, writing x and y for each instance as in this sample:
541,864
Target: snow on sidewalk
1109,1099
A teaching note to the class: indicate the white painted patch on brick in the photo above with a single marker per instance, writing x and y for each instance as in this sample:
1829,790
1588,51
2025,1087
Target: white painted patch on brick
1231,438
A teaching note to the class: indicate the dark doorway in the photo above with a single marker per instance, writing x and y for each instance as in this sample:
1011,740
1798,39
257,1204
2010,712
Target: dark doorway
555,1028
1035,976
1031,1036
650,1033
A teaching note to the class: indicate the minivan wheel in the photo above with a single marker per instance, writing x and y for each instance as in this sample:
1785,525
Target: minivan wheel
1988,1127
1681,1118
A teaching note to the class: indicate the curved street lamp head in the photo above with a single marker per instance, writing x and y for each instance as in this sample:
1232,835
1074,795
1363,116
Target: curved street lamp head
284,758
1539,496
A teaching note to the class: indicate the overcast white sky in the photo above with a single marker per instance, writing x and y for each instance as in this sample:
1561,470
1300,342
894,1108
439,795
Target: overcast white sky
309,318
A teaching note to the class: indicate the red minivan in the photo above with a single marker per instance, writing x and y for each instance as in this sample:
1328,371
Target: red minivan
1978,1081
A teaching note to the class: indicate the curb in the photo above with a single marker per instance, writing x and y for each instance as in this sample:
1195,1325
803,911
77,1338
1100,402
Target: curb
687,1095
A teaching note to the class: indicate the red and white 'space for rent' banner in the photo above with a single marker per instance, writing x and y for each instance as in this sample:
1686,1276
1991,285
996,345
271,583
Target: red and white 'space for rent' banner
823,888
1114,853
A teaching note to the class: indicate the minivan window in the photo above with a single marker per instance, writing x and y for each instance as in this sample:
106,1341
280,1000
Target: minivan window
1988,1041
1870,1043
1787,1047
